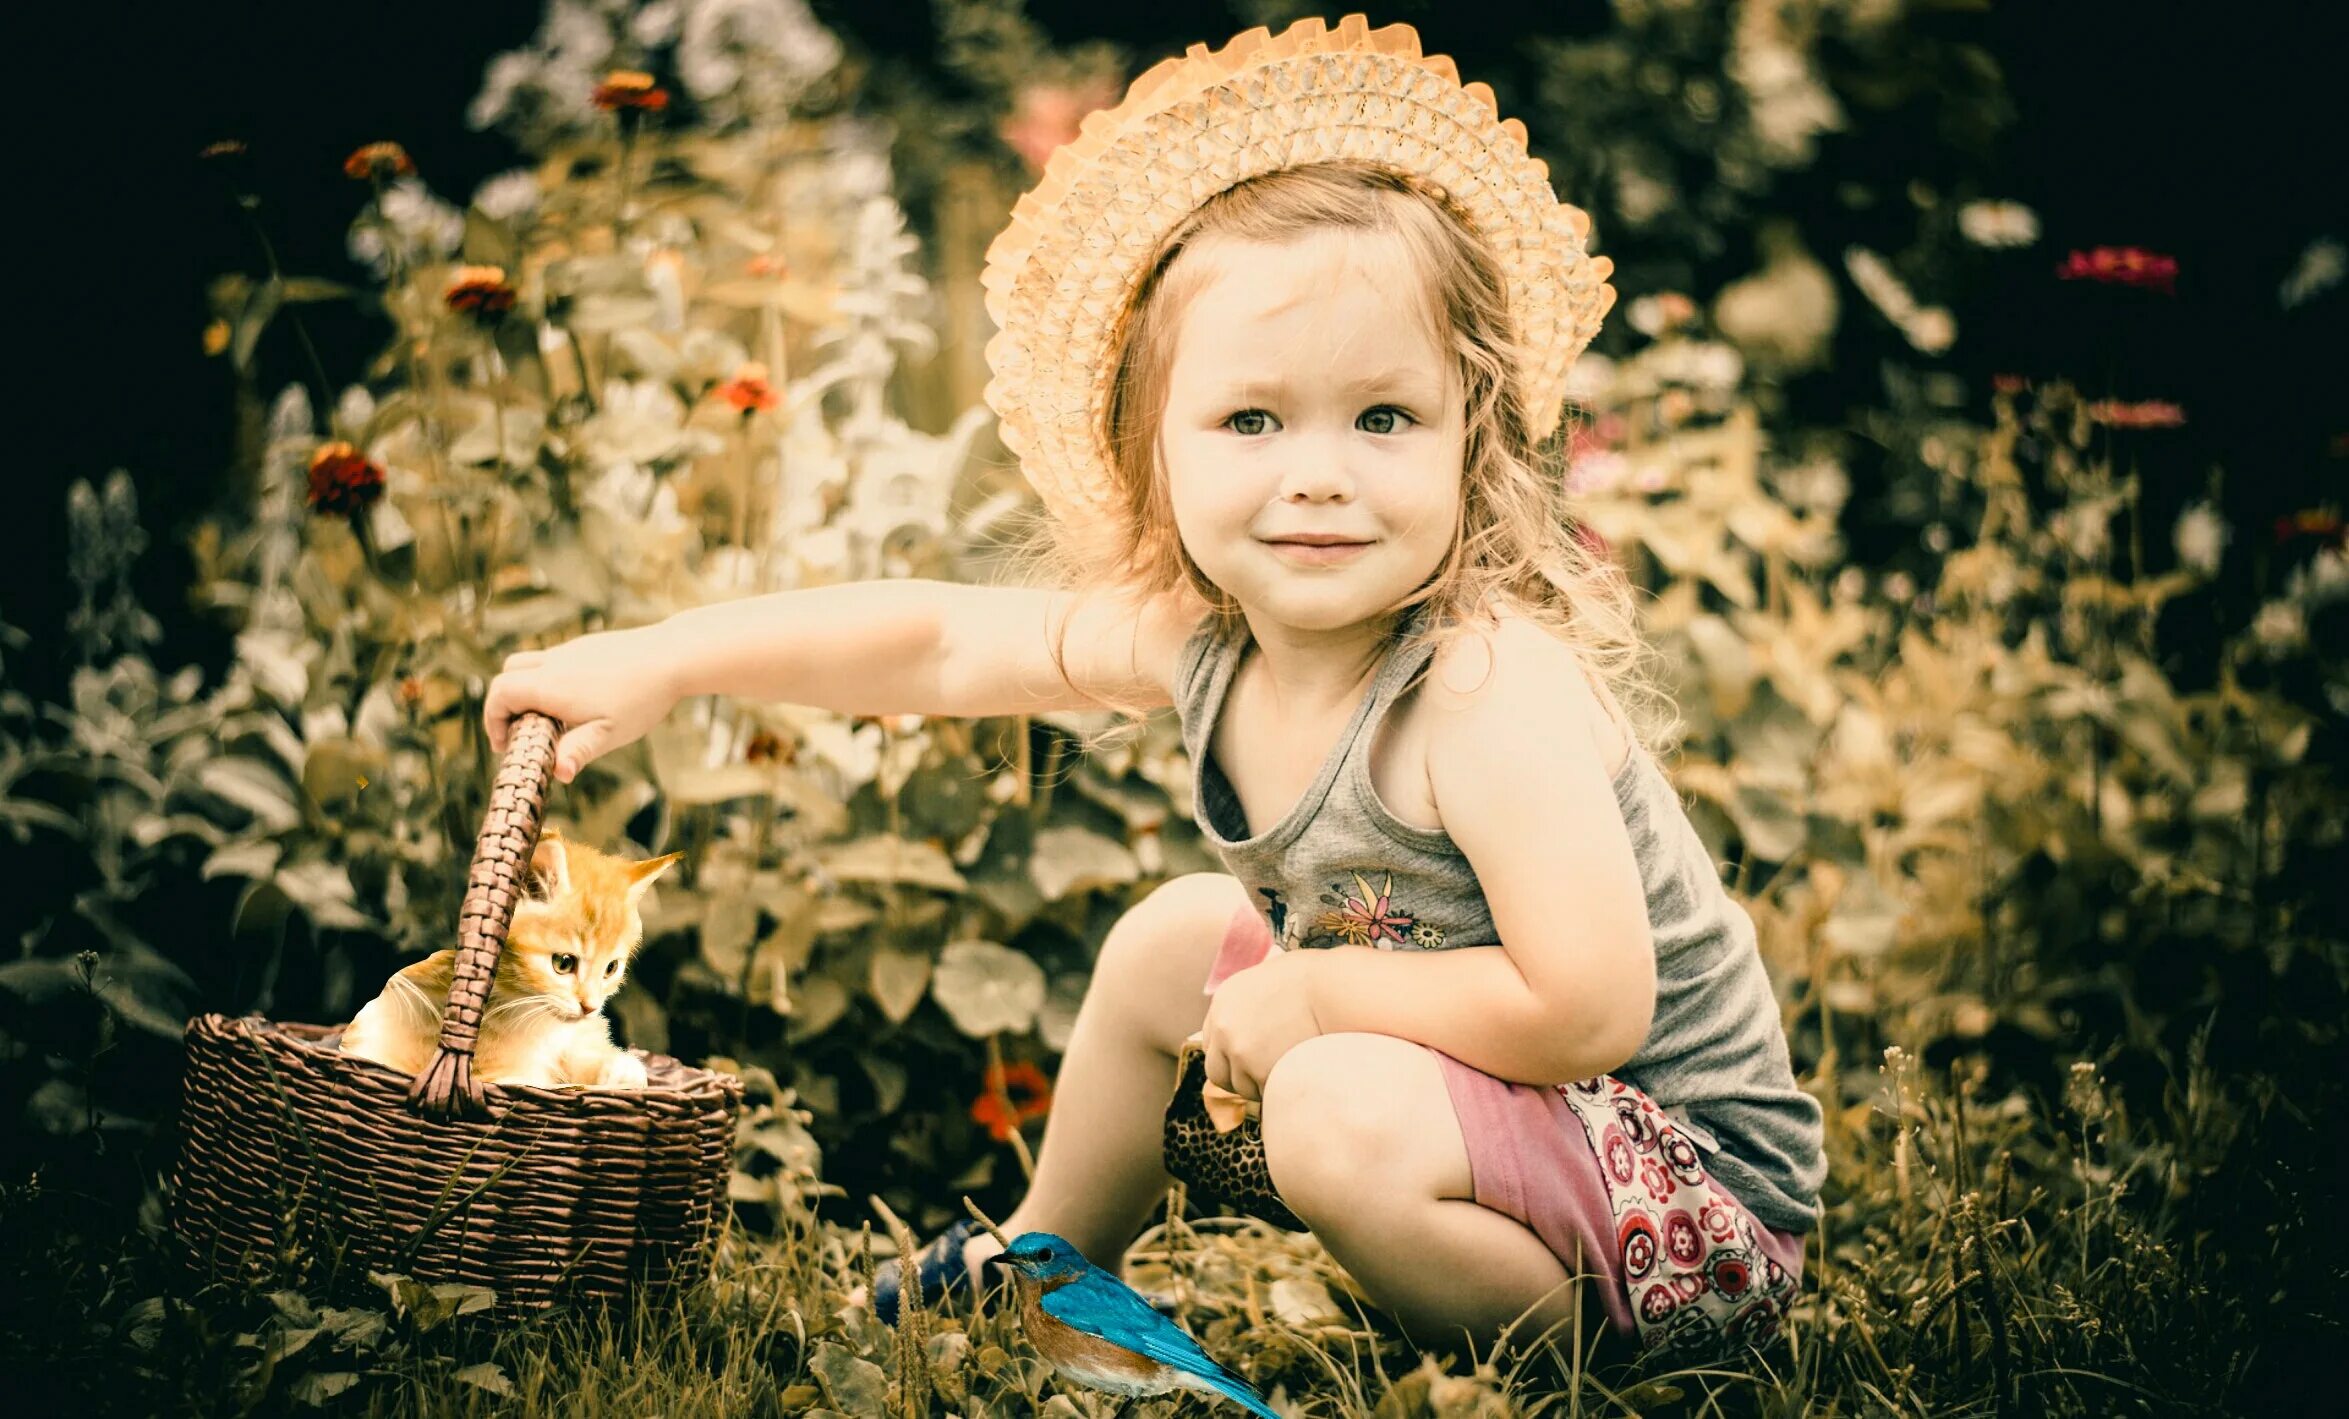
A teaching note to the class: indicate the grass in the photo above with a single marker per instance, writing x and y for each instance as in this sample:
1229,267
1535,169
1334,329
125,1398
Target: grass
1984,1252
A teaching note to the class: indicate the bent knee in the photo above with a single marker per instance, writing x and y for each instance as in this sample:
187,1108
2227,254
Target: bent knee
1164,945
1346,1113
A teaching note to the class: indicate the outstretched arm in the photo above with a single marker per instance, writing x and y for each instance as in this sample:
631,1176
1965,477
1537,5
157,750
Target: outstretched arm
1518,777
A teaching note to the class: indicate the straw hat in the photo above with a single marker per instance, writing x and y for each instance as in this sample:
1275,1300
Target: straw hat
1059,277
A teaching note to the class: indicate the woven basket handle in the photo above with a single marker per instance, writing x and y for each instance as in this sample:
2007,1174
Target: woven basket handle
498,880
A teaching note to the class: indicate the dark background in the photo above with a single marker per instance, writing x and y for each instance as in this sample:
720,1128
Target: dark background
2212,133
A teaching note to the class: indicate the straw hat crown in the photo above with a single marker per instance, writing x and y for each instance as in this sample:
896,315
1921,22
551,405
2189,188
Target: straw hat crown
1059,277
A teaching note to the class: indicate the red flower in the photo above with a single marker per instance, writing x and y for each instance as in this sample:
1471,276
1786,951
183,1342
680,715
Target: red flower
630,89
2122,266
749,391
2010,383
342,480
2322,523
2144,414
379,160
1029,1091
481,292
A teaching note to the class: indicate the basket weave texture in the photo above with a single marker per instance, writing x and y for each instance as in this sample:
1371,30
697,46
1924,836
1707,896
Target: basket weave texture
542,1195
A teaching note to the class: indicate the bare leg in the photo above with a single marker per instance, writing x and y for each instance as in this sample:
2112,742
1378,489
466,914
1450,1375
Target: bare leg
1363,1144
1100,1169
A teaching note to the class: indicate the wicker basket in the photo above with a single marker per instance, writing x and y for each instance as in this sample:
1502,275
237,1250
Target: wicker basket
539,1194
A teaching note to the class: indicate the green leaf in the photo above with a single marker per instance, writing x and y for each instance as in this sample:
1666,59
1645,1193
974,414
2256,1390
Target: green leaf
854,1385
897,979
253,788
1070,860
987,988
246,859
486,1376
884,857
315,1389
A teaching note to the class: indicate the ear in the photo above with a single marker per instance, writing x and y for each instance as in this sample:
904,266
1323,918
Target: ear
551,862
641,874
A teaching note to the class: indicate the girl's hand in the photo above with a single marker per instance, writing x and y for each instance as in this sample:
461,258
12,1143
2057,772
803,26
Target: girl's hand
607,690
1256,1016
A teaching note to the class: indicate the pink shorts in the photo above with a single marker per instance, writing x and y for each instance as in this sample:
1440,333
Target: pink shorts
1611,1185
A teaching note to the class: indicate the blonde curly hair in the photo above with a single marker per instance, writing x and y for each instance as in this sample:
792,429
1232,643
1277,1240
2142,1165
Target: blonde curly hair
1515,546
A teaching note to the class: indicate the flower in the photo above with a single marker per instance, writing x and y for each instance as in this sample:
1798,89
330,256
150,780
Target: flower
2200,536
1369,917
1665,311
1023,1086
1045,116
768,747
2308,522
2142,414
2122,266
379,161
1932,329
216,337
343,480
630,89
481,292
508,195
749,391
2319,269
2010,383
1998,224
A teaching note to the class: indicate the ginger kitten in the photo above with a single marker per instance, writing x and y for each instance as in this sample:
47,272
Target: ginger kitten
566,952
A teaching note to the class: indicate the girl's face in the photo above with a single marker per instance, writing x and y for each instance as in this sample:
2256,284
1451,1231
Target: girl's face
1306,398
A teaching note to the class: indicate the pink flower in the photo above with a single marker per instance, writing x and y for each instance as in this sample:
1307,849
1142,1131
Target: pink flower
1046,116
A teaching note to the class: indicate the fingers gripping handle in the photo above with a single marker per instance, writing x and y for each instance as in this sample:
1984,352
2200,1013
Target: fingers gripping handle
500,873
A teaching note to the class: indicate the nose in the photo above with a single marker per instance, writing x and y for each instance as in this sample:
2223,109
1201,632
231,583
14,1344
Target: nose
1316,469
586,1005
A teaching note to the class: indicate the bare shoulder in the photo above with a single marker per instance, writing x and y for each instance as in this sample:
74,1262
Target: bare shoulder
1513,677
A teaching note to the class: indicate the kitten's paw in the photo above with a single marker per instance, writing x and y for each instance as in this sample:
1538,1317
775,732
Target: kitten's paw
622,1071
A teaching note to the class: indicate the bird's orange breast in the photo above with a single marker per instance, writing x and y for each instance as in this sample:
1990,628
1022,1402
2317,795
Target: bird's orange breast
1096,1361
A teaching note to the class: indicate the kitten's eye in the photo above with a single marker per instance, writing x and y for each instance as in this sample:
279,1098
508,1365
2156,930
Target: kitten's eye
611,968
565,962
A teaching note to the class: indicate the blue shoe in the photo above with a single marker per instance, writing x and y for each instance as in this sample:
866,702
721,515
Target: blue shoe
941,1269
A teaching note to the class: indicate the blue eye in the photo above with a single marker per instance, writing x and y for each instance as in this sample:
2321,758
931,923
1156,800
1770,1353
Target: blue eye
1246,414
1390,411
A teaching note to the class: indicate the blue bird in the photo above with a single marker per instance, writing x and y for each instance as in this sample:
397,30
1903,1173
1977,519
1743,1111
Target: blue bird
1096,1330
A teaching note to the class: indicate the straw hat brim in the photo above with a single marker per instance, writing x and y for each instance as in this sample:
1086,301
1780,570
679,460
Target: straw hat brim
1059,277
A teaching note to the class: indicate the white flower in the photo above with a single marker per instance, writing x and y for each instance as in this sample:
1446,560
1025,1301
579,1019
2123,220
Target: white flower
1640,197
656,24
2200,536
2323,578
641,421
510,194
745,58
2319,270
353,410
1998,224
1589,378
1876,281
1699,364
424,227
2280,627
1932,329
1819,485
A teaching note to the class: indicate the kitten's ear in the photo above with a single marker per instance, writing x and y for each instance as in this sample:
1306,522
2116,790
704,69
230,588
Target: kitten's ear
550,862
641,874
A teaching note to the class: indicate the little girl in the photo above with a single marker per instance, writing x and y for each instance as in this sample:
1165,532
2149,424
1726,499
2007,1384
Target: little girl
1282,340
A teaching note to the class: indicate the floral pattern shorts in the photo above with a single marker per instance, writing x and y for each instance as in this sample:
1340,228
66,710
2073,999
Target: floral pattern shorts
1693,1263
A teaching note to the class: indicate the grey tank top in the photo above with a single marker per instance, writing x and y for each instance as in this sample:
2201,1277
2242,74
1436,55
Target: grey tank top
1342,868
